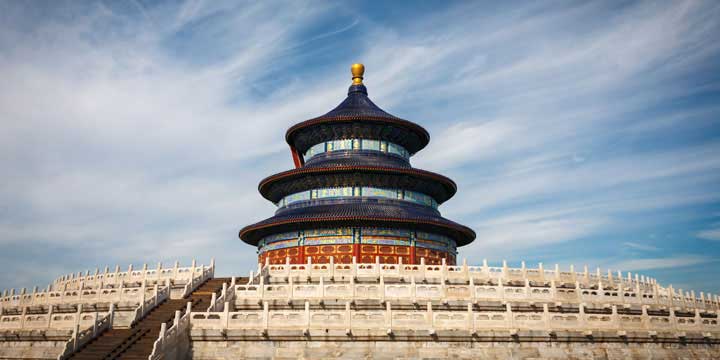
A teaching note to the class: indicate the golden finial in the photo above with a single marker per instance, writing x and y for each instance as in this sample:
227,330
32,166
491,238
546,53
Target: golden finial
357,72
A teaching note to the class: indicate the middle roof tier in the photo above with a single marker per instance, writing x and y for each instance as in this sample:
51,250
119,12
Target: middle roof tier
277,186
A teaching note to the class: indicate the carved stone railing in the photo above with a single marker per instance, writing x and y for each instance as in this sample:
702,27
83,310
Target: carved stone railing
469,322
418,292
102,287
585,286
158,274
85,296
173,343
159,295
80,338
199,279
48,321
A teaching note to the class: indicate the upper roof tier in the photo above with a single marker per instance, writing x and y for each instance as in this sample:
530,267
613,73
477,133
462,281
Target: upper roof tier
357,117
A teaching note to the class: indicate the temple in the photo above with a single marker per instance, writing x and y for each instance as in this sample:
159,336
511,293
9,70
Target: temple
357,262
353,194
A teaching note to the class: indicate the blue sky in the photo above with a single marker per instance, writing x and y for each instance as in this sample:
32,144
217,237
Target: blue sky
578,132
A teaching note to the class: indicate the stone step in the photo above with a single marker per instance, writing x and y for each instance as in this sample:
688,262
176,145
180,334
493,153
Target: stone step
137,343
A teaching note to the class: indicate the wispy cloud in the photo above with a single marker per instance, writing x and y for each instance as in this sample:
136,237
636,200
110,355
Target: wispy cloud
641,247
711,234
661,263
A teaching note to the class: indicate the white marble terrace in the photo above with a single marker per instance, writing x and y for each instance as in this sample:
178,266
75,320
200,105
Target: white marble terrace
71,302
385,298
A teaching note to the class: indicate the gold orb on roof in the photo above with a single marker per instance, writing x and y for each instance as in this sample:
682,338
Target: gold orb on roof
357,73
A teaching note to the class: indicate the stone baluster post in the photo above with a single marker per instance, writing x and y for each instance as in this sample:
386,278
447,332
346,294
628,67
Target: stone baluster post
682,297
22,317
578,290
430,318
470,319
615,317
163,329
142,297
352,287
673,319
473,292
526,288
348,319
144,271
354,266
501,289
671,296
213,300
158,270
509,314
226,314
116,275
332,267
382,288
644,318
307,315
541,270
50,315
443,271
388,318
112,314
79,314
322,288
95,323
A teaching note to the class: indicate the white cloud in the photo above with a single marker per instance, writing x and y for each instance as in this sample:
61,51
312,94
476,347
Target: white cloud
642,247
661,263
711,234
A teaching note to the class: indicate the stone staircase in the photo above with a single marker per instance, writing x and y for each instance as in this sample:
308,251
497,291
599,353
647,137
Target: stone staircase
137,342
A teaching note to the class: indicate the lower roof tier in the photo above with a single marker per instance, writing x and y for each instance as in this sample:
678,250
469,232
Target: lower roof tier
360,212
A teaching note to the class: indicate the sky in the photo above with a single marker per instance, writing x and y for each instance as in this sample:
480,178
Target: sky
577,132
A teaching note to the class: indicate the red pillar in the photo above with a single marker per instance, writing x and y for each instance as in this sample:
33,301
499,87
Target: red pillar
356,252
297,159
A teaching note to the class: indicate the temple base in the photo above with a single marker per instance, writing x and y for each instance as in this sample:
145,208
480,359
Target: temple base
363,253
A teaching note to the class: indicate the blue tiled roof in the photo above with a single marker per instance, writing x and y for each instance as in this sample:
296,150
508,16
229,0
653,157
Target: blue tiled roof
357,103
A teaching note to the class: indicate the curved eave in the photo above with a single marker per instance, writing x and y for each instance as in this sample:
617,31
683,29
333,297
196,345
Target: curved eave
251,234
296,174
419,131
